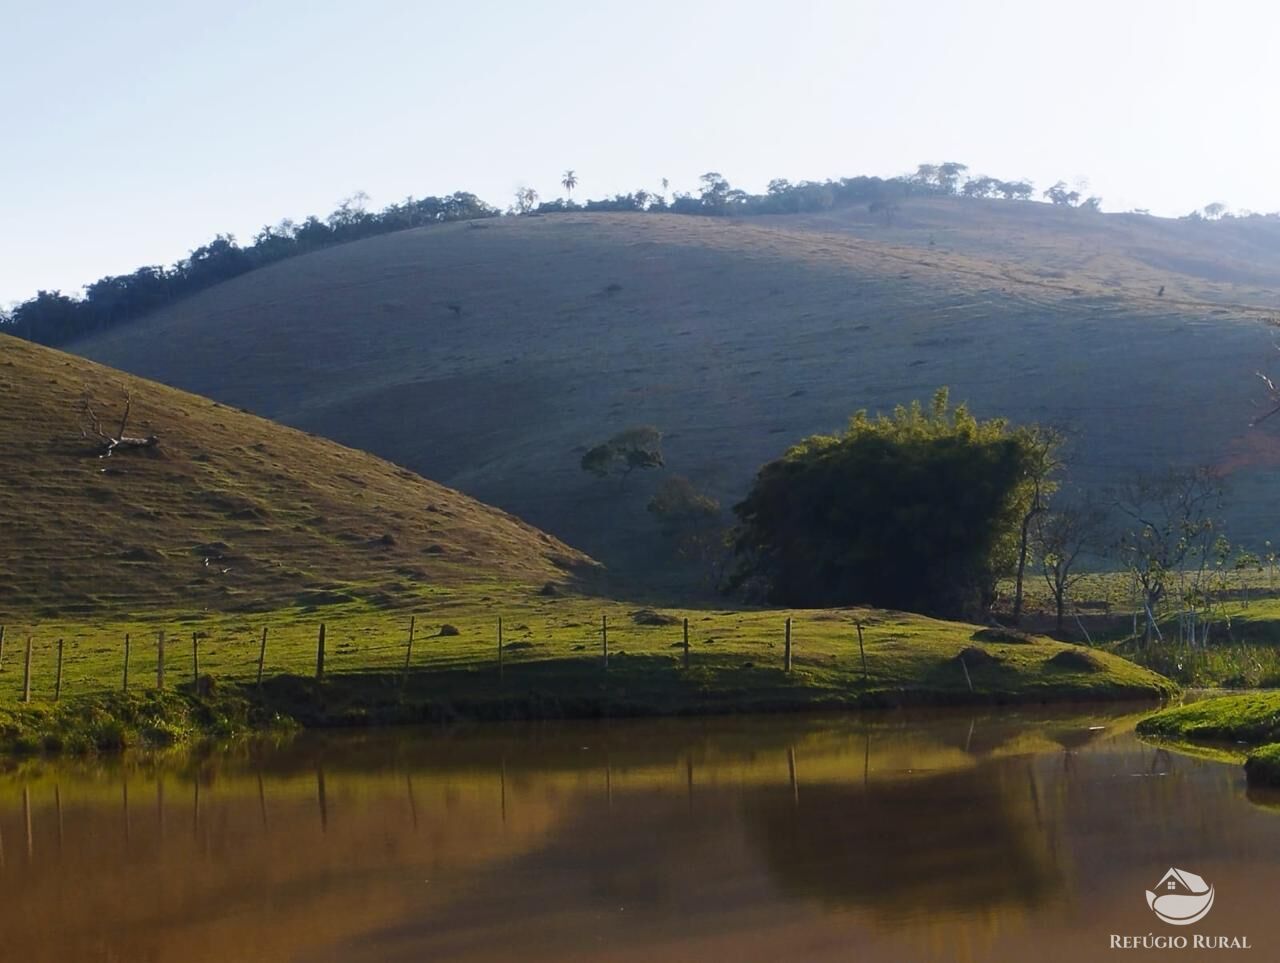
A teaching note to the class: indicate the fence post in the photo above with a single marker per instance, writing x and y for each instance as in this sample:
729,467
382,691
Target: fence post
57,682
786,651
195,658
262,655
686,643
604,639
125,686
160,660
1,648
320,655
408,652
499,647
862,650
26,673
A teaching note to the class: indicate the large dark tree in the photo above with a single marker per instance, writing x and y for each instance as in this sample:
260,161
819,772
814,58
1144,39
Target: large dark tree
920,510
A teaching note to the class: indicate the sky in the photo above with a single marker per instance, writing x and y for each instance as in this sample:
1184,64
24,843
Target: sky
134,131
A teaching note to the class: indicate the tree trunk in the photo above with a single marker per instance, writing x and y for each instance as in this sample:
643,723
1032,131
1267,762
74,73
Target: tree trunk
1022,564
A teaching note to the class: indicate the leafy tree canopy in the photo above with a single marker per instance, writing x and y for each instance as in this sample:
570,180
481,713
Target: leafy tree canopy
638,447
919,510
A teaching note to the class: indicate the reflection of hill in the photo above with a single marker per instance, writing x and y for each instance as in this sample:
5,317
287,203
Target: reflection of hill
648,839
968,842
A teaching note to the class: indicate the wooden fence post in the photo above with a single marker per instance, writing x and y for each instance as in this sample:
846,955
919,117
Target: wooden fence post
26,673
262,655
604,639
686,643
862,650
195,658
57,682
125,686
408,652
786,651
1,648
320,655
160,660
499,647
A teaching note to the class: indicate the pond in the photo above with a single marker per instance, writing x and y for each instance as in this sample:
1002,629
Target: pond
890,836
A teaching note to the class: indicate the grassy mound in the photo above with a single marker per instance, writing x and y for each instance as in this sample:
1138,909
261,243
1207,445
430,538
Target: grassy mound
226,511
1252,719
1263,766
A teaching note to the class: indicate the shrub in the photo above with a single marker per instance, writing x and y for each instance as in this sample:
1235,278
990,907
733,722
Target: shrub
919,510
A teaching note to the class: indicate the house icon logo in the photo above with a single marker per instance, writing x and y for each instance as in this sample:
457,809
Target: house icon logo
1181,898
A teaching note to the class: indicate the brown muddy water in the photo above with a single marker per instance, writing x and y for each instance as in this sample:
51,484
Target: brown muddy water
894,837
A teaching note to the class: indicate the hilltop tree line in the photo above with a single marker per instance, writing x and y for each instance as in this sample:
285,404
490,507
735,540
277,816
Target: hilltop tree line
716,197
54,318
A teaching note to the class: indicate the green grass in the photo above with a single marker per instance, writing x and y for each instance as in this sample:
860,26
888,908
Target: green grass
553,660
1252,719
1244,643
1236,725
234,525
1263,766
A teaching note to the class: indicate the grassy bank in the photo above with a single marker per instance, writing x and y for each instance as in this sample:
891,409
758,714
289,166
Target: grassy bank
552,666
1246,725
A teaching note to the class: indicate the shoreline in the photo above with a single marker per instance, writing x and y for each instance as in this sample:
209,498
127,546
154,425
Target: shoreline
156,720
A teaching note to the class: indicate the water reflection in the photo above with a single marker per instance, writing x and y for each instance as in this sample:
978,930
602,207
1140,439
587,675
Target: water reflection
890,836
955,842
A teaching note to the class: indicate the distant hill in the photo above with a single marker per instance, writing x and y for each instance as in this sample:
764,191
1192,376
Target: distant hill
225,511
489,355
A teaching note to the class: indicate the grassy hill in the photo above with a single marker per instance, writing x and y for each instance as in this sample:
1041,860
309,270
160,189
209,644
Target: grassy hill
226,512
488,355
230,531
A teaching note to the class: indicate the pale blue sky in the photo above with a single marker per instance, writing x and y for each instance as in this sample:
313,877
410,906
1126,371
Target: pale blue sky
135,130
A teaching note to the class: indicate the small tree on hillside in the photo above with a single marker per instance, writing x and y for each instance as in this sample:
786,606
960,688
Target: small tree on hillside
694,524
919,510
715,192
1171,523
635,448
526,200
1043,447
569,181
1060,196
949,175
1015,190
1062,534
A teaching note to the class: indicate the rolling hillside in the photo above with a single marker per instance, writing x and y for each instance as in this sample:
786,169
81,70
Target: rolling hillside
489,355
226,512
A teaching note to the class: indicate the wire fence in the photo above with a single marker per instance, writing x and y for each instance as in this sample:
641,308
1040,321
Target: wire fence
43,667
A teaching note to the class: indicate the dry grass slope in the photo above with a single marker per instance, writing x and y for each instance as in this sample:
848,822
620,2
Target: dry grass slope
488,355
228,512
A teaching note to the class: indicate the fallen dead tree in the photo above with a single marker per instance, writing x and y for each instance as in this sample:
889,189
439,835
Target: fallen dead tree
91,429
